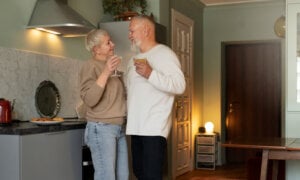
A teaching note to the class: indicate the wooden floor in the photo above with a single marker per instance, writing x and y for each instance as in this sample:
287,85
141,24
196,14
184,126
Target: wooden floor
225,172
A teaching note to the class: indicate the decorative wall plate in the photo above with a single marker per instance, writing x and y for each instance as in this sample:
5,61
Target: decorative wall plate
47,99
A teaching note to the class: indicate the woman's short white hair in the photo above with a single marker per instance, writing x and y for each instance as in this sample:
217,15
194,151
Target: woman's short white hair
94,38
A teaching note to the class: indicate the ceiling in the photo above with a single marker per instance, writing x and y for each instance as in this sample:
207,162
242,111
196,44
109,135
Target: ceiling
225,2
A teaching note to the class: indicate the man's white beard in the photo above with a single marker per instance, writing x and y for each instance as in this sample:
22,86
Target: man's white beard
135,47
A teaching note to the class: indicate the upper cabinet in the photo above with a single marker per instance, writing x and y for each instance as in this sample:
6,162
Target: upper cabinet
293,55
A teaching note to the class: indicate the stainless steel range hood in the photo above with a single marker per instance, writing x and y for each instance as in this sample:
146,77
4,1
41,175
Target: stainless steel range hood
56,17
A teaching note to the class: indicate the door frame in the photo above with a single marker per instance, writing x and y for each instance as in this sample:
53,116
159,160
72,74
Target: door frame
175,15
223,88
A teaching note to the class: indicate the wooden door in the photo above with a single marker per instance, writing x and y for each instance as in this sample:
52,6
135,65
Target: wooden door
253,93
182,44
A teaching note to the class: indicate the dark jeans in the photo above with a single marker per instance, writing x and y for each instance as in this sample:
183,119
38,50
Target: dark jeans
148,156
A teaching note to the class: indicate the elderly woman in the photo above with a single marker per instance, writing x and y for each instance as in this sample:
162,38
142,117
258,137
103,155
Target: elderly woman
104,97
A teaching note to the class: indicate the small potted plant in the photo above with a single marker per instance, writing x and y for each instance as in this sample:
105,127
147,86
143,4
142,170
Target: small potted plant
124,9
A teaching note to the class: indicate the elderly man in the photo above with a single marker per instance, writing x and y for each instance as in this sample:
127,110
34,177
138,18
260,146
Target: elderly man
154,77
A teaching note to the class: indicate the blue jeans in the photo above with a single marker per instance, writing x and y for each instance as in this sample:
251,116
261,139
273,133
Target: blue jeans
108,146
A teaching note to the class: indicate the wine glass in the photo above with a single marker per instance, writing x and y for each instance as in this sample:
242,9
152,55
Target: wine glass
116,72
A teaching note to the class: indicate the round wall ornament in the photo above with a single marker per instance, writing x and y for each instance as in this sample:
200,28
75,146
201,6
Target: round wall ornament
279,27
47,99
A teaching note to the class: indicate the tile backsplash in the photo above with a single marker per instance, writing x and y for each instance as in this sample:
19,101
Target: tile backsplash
21,72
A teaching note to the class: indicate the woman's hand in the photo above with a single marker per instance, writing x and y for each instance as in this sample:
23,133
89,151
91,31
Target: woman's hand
111,64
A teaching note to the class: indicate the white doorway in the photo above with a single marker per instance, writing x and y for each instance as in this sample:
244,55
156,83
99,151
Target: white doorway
182,44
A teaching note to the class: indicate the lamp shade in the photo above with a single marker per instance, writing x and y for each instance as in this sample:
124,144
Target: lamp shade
209,127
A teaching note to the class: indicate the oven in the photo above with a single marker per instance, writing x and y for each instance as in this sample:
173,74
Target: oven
87,164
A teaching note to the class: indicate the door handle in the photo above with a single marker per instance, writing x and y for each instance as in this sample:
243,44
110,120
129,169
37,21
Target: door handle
230,108
233,105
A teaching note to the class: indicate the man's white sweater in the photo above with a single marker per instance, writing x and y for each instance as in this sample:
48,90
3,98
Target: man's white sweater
150,101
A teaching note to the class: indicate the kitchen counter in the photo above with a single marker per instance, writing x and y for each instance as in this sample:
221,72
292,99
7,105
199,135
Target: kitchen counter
26,146
26,128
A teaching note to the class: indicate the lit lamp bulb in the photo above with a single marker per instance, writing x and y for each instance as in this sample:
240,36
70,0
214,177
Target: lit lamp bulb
209,127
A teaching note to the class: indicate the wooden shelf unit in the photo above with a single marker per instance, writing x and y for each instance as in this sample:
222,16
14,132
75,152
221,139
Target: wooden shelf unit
206,151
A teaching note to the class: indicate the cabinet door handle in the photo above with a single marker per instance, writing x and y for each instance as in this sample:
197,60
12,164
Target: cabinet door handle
55,133
87,163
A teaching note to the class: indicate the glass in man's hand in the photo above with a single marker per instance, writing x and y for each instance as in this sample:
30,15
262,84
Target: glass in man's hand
140,60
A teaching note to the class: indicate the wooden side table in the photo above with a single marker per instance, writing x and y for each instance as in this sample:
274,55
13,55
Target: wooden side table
206,151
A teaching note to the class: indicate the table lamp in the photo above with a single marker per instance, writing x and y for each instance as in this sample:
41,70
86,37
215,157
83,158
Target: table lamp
209,127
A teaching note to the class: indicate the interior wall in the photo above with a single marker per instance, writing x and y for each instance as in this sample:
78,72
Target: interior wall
15,35
29,70
244,22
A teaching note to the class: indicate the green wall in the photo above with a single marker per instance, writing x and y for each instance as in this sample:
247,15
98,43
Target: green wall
245,22
15,14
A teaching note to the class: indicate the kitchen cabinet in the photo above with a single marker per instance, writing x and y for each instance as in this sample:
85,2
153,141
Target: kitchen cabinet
47,156
206,151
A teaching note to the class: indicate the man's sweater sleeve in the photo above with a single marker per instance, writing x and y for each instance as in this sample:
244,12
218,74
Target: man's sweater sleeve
169,77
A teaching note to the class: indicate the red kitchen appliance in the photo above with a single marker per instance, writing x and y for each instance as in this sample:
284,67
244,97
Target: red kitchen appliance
5,112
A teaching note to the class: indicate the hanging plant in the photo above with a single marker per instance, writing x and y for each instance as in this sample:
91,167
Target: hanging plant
123,8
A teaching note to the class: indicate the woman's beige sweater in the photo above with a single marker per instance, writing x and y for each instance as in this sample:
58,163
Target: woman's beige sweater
108,104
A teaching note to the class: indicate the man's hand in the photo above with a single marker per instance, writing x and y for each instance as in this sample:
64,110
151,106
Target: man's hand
143,69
